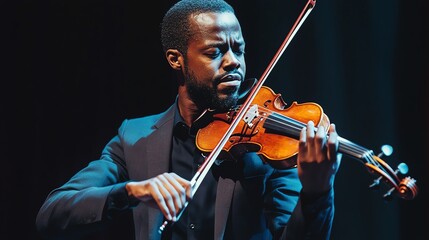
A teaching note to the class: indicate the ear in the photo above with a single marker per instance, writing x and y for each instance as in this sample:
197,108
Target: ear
174,58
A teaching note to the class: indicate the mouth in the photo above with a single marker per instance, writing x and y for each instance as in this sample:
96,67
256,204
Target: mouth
230,81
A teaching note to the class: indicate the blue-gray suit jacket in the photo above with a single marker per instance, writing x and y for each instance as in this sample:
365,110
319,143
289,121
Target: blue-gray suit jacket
263,203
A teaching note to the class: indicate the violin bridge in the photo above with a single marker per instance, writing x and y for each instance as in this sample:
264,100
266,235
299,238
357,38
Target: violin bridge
250,115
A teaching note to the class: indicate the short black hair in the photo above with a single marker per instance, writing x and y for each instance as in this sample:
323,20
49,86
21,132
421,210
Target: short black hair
175,27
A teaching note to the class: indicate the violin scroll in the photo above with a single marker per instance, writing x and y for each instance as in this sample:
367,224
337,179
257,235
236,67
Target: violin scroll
405,188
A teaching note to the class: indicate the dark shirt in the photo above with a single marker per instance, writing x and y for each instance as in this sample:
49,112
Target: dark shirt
197,219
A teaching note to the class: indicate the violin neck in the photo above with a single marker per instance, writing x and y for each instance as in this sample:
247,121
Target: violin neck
286,126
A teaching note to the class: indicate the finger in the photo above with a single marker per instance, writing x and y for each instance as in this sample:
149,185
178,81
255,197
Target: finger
180,180
302,139
320,139
310,129
333,142
179,189
171,195
185,184
158,191
310,137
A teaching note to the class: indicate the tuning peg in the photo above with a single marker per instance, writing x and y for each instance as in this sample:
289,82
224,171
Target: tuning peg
402,168
386,150
388,195
375,185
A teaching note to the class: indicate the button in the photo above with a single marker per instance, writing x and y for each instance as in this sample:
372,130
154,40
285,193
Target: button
192,226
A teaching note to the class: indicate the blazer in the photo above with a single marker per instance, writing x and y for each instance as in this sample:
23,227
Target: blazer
261,203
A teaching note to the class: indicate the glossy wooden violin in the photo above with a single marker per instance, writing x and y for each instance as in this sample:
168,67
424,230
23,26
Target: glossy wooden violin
272,129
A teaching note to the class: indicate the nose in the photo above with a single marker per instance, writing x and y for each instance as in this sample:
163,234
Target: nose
231,61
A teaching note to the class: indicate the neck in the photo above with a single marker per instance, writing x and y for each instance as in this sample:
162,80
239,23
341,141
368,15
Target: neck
188,109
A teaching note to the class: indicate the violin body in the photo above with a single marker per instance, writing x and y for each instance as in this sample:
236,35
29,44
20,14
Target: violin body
265,129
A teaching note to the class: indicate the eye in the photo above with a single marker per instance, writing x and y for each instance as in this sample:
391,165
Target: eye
213,53
239,52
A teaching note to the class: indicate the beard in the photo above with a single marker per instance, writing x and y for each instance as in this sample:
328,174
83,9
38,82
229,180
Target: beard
206,97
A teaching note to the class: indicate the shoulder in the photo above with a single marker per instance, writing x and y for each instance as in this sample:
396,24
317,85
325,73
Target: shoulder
143,126
139,122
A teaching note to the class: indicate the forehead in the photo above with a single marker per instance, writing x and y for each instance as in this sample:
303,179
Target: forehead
223,25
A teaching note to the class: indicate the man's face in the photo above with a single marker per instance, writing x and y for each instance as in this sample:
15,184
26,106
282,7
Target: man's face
214,65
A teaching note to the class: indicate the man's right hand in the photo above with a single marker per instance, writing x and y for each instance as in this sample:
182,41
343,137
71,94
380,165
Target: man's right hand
168,192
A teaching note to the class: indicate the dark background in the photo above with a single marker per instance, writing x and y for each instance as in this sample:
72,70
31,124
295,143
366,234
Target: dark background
71,71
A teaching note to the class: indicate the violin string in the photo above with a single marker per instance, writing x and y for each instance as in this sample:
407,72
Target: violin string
293,126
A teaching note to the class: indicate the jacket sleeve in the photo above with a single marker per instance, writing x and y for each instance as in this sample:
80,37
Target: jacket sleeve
293,215
82,204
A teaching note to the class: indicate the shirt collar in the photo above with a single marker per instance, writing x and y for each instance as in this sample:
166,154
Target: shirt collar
181,130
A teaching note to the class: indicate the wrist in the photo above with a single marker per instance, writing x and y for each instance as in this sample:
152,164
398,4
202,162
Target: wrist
132,199
313,195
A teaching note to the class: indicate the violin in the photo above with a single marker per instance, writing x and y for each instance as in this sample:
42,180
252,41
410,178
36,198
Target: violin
272,129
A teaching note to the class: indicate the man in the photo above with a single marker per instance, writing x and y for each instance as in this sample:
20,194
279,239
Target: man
146,168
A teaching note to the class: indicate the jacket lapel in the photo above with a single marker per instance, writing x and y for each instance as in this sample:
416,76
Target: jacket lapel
159,163
160,139
225,188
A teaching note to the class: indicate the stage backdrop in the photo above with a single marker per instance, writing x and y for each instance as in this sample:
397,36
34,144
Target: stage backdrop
71,71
